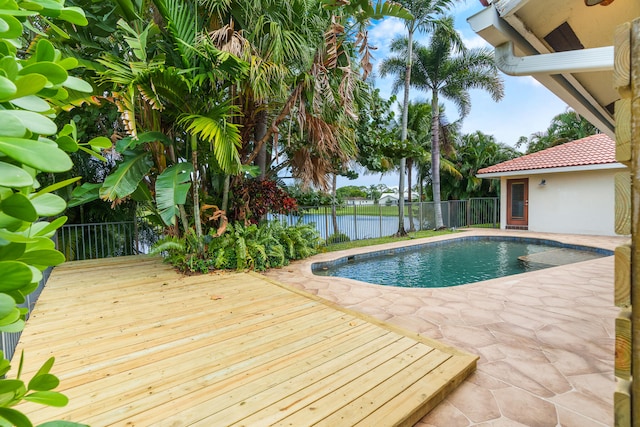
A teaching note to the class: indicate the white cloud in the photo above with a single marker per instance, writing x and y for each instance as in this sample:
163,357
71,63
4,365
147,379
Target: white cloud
384,31
474,41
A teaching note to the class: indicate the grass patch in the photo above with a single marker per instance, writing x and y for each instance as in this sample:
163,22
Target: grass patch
364,210
381,240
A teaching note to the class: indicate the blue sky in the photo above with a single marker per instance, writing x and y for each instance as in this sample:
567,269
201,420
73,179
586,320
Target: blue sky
527,106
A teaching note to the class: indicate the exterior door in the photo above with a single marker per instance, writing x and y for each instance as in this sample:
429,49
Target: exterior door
518,203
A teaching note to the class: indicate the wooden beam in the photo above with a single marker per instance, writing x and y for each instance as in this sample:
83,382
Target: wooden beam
623,203
635,226
622,281
622,59
623,130
622,404
623,345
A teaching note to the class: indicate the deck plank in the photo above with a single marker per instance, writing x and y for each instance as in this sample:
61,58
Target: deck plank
138,344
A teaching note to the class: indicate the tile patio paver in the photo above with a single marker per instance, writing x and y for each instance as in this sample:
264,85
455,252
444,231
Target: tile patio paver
545,338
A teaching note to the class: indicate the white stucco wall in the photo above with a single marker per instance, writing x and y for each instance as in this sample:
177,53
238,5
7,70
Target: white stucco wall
570,202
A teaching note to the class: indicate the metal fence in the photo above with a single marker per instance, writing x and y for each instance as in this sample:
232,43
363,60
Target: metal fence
366,221
103,240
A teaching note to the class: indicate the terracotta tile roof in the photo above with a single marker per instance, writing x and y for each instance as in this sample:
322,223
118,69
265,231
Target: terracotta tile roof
592,150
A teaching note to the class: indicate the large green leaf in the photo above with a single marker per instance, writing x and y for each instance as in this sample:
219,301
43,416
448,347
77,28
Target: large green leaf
47,229
12,126
86,193
16,418
129,142
49,398
52,71
11,28
7,305
19,206
15,275
77,84
172,187
36,123
7,88
47,257
32,103
48,204
37,154
12,251
29,85
125,179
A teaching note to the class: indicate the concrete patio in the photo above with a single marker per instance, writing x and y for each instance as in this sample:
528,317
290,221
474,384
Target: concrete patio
545,338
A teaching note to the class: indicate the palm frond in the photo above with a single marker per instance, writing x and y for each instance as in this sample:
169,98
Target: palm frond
223,136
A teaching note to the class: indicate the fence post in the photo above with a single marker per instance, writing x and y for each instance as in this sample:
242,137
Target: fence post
469,212
326,223
495,212
380,217
355,221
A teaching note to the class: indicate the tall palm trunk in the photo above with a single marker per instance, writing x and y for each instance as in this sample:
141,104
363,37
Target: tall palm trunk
196,186
225,192
435,160
412,227
259,132
403,137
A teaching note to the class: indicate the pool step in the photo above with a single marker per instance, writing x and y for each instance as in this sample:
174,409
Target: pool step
560,256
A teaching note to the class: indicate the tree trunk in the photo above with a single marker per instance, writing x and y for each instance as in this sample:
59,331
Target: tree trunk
260,131
412,227
403,136
435,160
196,188
225,193
334,216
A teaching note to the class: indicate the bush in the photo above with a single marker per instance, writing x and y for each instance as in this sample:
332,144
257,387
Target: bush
337,238
254,247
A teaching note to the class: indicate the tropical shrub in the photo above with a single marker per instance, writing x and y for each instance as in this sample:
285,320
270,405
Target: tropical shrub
33,82
254,247
254,198
337,238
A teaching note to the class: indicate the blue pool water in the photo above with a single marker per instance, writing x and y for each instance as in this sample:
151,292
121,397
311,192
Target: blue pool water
455,262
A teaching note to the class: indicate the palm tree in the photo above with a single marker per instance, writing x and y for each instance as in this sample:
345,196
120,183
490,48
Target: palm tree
450,72
425,13
473,152
564,127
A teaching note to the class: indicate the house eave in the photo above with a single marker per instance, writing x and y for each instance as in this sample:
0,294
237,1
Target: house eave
581,168
498,25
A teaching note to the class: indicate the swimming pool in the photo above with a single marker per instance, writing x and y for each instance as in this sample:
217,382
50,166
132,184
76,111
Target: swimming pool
456,261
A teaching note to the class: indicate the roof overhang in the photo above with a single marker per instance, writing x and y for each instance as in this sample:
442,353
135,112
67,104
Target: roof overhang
582,168
528,36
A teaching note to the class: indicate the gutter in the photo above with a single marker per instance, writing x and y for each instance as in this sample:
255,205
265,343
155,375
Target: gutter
575,61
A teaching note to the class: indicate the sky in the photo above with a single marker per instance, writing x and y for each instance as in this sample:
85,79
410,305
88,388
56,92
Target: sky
527,106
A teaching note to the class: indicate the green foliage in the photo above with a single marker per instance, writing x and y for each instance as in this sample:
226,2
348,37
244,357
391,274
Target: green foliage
32,82
564,127
337,238
254,247
351,191
309,197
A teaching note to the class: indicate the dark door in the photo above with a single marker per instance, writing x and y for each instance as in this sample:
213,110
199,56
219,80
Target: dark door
518,203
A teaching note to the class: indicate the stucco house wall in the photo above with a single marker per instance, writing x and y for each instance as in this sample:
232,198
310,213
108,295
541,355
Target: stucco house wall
579,202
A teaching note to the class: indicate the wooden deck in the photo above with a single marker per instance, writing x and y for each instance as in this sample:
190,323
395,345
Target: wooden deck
138,344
